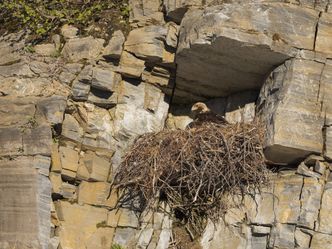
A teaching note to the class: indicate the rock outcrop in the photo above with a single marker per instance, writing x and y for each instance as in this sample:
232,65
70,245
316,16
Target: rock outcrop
71,109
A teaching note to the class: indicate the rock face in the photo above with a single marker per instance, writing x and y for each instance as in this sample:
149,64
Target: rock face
71,109
218,46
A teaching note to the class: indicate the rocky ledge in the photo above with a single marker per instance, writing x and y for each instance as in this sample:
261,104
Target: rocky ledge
71,107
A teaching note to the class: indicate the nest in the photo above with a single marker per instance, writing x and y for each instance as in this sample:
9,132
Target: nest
193,170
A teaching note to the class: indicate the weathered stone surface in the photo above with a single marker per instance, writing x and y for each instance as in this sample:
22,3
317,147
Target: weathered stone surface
98,133
224,237
321,241
175,9
130,66
77,49
325,222
324,34
142,108
145,12
37,140
45,49
71,129
302,239
147,43
310,202
93,168
282,236
328,142
14,111
124,236
105,79
85,217
69,158
214,42
289,105
25,199
115,46
7,54
94,193
53,108
69,31
287,208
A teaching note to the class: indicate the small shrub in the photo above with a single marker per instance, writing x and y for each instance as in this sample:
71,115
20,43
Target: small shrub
42,17
117,246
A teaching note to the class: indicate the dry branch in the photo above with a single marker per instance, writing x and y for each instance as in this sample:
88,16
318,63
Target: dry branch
192,170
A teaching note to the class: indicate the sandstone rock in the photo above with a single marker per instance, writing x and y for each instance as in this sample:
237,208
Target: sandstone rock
101,239
71,129
85,217
289,106
223,237
130,66
241,107
10,141
287,191
124,236
93,167
69,31
172,35
282,236
305,171
214,42
324,34
53,108
175,9
69,158
45,49
147,43
24,205
55,157
260,209
302,240
113,217
37,140
328,142
105,79
77,49
134,114
128,219
7,54
325,224
99,129
310,202
80,91
321,241
16,111
94,193
115,46
145,12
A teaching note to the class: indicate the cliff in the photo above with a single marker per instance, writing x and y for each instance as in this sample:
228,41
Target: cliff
72,106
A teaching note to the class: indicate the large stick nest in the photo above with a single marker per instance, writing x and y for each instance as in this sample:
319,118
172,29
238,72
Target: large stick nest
193,169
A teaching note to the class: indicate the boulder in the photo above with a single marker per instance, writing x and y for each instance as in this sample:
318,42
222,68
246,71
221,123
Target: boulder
230,48
115,46
77,49
147,43
290,107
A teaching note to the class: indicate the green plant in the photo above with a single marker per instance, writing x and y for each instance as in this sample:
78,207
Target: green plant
29,49
116,246
101,224
42,17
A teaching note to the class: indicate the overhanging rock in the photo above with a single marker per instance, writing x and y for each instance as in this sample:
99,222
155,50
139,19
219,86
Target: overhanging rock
232,47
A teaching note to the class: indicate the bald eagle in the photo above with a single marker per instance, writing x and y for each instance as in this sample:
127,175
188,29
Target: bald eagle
201,114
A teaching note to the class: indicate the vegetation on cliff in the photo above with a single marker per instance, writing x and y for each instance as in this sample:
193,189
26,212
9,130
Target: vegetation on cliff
43,17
